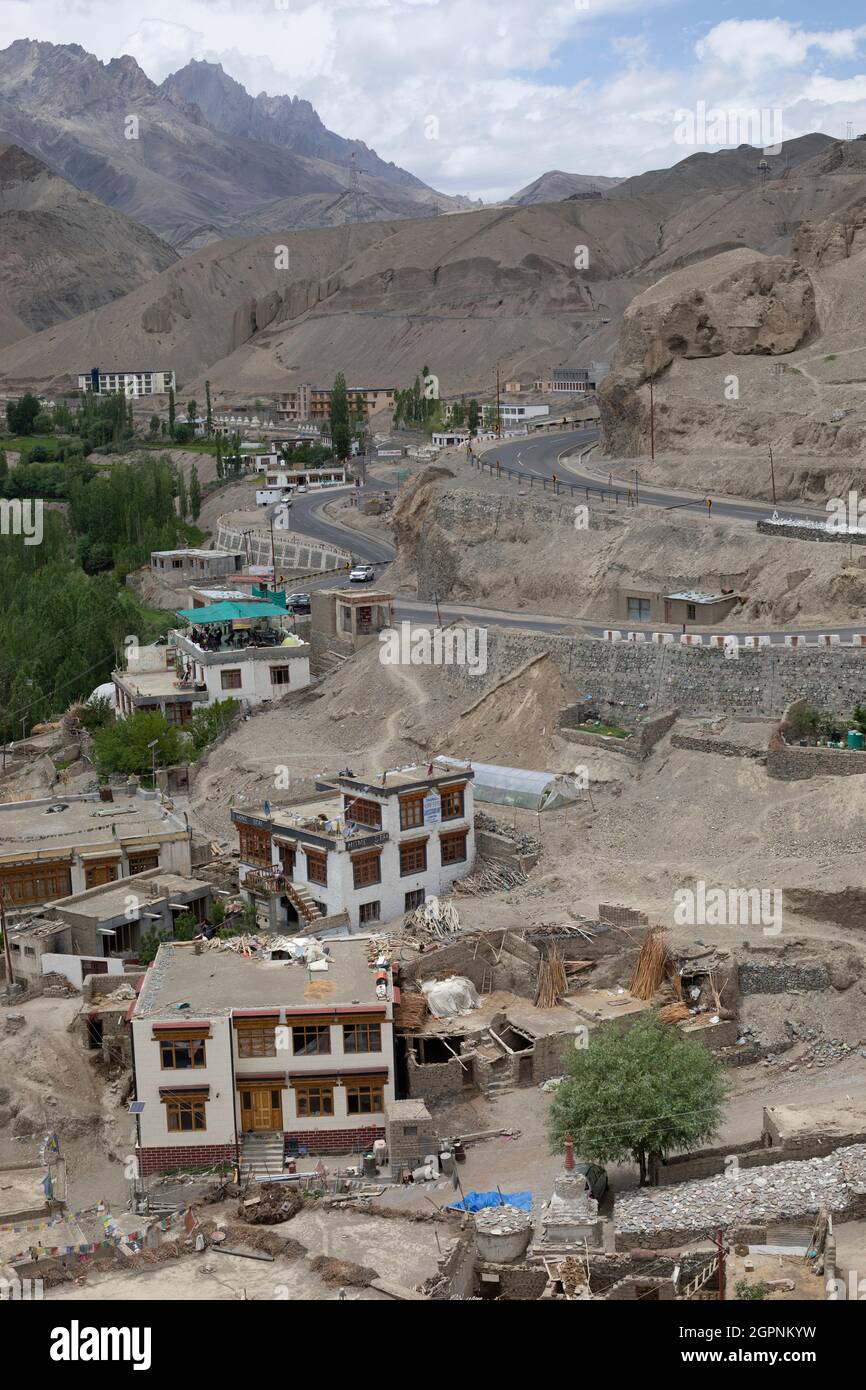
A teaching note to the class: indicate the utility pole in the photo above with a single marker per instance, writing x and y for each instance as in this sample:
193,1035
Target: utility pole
720,1246
772,473
636,492
652,422
498,405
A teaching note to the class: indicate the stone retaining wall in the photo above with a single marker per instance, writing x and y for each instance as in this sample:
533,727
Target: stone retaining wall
791,531
705,743
701,681
292,550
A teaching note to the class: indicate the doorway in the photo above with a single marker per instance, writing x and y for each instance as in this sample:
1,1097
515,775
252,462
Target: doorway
261,1109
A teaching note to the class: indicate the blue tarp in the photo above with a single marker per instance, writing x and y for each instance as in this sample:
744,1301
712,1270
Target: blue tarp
477,1201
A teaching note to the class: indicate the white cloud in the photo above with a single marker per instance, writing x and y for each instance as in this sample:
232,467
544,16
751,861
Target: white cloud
754,46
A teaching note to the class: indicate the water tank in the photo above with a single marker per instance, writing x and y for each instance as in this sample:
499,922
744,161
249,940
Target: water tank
502,1234
856,739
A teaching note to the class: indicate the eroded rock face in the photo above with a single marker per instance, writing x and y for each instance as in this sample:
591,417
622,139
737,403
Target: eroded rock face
740,302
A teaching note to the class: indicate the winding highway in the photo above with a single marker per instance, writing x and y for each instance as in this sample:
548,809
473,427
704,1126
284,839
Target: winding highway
541,457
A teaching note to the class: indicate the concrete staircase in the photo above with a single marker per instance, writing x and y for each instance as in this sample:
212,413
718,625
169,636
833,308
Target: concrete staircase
306,906
262,1156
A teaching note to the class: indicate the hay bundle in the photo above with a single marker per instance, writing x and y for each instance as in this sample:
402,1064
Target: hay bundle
651,965
673,1013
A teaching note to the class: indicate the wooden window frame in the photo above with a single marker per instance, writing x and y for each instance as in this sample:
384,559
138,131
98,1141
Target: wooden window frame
412,811
305,1090
257,1039
451,796
363,812
252,840
420,896
190,1040
178,1106
283,672
317,860
46,880
231,685
370,1034
412,848
370,916
363,864
356,1090
137,863
320,1030
445,843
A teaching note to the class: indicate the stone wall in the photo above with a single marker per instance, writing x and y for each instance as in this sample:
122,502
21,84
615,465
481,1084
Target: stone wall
791,531
782,977
456,1275
433,1081
501,849
695,680
291,549
705,743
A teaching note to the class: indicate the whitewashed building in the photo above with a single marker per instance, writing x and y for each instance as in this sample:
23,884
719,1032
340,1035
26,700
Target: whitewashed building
301,1051
366,850
146,382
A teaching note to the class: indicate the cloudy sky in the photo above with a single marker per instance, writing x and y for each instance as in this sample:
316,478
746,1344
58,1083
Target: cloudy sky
482,96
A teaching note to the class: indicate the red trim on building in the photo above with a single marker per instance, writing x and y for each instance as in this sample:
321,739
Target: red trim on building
181,1024
241,1076
302,1011
255,1013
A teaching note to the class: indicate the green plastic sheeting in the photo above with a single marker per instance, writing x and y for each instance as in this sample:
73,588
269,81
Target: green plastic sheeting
226,612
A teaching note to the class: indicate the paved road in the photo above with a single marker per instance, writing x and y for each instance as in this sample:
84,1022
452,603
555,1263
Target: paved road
540,457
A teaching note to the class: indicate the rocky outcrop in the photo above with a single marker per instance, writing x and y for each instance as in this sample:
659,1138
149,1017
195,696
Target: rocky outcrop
741,302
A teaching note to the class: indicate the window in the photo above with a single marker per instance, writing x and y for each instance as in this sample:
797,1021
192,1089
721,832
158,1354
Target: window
125,938
258,1041
176,1054
411,811
36,883
185,1115
96,874
452,802
367,1098
178,713
414,899
639,609
691,612
362,1037
287,858
367,868
140,862
363,812
177,564
255,845
231,680
317,867
312,1100
453,848
311,1039
280,675
413,857
370,912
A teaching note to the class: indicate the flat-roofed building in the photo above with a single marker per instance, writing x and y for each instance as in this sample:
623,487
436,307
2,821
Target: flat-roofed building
366,849
52,848
110,920
298,1050
146,382
203,564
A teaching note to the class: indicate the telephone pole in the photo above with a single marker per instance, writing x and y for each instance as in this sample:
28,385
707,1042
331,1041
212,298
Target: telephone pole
652,422
720,1246
7,950
772,473
498,405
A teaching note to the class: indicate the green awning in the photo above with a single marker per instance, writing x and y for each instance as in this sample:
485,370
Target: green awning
227,612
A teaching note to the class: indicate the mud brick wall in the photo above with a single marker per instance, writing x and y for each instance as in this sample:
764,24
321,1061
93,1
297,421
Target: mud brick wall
707,744
456,1276
434,1081
515,971
550,1056
520,1283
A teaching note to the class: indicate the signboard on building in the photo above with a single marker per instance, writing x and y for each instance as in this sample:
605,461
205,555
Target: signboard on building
389,453
432,809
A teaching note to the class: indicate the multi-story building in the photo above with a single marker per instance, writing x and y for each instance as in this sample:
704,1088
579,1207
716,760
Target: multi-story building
229,650
144,383
300,1050
53,848
314,402
511,413
365,850
203,564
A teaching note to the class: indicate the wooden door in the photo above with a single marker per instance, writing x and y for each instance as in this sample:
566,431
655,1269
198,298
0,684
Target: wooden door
261,1109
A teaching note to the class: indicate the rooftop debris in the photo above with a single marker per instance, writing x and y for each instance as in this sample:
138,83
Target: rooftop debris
433,918
552,980
651,966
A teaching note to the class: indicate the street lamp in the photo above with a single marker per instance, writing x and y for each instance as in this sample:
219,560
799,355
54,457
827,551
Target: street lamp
153,746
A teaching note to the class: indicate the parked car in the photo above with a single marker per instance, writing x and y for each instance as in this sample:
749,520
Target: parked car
361,574
298,603
596,1179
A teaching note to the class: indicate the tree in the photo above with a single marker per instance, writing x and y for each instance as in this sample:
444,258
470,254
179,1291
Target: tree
171,411
194,494
210,721
341,430
192,414
208,410
21,414
182,498
185,927
641,1094
123,746
473,416
4,467
149,943
154,426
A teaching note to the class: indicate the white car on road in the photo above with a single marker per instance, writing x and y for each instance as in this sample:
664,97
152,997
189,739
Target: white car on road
361,574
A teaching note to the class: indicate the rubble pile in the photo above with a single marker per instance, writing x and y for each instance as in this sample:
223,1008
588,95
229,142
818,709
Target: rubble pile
273,1202
523,843
748,1196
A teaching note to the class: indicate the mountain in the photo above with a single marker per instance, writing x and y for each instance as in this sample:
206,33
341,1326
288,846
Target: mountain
62,252
287,122
152,155
556,185
708,171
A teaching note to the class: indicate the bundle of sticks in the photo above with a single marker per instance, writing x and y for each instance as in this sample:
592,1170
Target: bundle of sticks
651,965
552,981
673,1013
489,878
